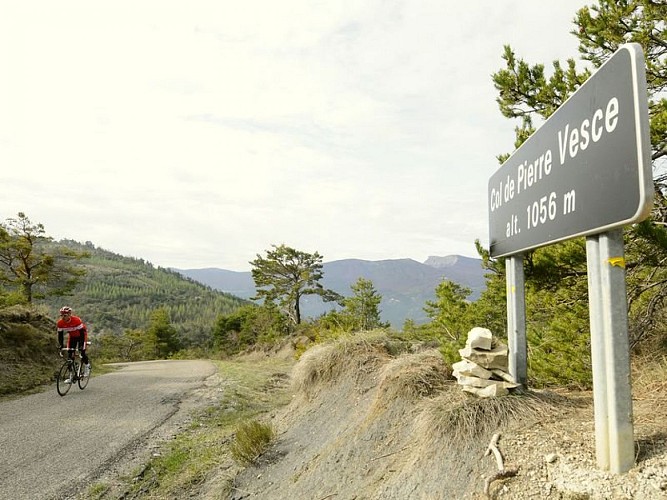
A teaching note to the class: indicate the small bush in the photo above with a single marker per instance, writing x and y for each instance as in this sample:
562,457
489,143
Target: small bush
11,299
251,439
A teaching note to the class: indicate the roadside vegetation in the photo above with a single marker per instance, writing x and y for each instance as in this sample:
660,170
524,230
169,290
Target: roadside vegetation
230,434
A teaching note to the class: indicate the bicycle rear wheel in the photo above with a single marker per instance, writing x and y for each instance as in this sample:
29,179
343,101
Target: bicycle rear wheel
83,379
65,374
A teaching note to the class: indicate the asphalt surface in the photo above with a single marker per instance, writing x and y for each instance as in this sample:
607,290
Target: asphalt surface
51,446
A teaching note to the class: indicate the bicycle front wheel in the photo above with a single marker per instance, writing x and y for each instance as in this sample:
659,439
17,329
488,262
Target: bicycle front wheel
83,378
64,379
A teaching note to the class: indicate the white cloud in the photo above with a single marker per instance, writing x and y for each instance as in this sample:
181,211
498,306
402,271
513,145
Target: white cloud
197,134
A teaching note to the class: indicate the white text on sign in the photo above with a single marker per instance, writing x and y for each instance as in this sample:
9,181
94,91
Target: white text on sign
571,140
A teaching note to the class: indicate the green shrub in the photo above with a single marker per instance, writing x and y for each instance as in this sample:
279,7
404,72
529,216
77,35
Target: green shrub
11,299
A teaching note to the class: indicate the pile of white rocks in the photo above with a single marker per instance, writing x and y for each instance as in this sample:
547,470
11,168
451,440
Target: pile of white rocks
483,371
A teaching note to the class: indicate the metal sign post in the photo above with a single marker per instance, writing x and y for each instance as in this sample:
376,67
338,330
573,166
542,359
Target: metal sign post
598,352
516,320
610,350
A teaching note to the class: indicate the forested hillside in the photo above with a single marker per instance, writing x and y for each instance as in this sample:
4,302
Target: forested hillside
120,293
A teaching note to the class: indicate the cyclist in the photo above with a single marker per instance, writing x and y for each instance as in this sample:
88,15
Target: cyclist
77,335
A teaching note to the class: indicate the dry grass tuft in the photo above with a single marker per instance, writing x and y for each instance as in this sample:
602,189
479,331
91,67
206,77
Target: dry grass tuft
250,441
358,354
413,376
651,380
650,391
460,418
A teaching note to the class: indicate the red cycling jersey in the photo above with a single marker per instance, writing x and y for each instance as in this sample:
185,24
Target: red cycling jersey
75,327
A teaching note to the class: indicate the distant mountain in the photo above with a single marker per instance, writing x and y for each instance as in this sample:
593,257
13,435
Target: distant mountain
463,270
404,284
235,283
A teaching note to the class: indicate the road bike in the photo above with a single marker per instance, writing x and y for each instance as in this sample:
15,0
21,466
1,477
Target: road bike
72,371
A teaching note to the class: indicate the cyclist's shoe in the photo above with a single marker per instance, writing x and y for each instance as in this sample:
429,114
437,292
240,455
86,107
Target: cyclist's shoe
68,381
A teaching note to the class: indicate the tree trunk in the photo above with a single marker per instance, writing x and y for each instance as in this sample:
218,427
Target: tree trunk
27,291
297,310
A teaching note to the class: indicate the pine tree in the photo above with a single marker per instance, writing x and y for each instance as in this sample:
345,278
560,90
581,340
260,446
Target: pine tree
30,265
527,93
363,308
285,275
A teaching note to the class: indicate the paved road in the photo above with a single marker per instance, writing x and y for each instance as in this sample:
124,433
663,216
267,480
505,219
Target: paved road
42,435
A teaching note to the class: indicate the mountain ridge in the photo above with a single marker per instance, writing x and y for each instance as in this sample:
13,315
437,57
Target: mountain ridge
404,284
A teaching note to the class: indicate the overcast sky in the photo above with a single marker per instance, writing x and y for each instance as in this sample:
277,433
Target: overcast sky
198,133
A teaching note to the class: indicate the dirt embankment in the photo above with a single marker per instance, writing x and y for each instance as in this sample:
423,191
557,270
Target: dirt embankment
28,349
367,422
